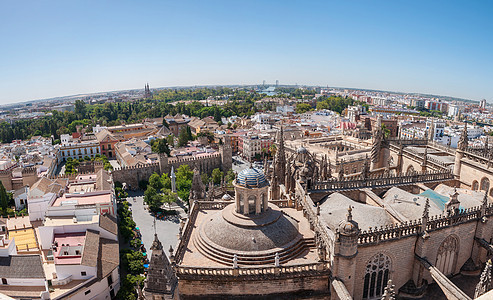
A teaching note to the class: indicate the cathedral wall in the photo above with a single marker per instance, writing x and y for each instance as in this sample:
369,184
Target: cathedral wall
464,232
401,253
231,288
407,164
470,172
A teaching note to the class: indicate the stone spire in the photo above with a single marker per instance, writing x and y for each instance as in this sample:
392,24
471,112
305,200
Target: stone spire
463,140
329,171
366,168
198,188
485,199
280,158
341,172
484,285
376,143
173,180
486,146
425,159
426,210
161,279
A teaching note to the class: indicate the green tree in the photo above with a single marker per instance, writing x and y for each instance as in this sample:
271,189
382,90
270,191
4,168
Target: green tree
166,181
153,199
183,137
205,178
168,197
302,108
184,181
160,146
230,176
80,109
4,198
155,181
171,140
217,175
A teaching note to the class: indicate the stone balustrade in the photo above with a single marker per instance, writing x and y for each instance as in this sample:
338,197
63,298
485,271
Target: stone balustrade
381,181
376,235
298,269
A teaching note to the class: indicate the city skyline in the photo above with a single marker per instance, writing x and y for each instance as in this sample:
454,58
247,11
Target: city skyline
439,48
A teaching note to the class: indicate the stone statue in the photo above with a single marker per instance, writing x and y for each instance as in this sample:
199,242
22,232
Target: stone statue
377,141
235,261
389,291
276,260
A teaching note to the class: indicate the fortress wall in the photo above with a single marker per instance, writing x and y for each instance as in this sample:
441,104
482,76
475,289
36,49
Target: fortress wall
132,175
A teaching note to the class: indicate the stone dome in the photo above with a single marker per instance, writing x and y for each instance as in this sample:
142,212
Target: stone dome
255,240
301,150
251,177
269,230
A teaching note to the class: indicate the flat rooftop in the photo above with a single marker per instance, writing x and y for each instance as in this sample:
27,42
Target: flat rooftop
69,220
69,248
83,199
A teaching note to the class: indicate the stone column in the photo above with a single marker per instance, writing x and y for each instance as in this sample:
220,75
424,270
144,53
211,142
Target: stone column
457,164
258,208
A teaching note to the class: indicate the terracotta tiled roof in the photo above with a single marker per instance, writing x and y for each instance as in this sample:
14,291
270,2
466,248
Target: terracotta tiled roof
90,253
108,223
109,257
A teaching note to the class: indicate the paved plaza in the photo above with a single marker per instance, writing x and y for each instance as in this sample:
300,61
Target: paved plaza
167,230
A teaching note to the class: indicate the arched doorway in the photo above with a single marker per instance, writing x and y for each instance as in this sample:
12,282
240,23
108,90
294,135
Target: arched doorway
447,255
377,275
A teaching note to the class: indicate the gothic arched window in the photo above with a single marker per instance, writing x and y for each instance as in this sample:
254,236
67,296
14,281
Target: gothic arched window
377,275
447,255
475,185
485,184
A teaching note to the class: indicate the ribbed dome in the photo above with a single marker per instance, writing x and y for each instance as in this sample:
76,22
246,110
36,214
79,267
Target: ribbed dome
251,177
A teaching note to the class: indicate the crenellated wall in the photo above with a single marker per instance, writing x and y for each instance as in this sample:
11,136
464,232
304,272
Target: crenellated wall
205,164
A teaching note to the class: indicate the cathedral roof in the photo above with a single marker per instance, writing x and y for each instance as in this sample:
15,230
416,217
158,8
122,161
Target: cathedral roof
334,210
251,177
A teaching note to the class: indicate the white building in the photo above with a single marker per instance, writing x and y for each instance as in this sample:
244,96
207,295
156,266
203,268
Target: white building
78,150
453,110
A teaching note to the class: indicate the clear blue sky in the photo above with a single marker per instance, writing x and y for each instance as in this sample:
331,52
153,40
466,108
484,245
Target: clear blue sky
57,48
